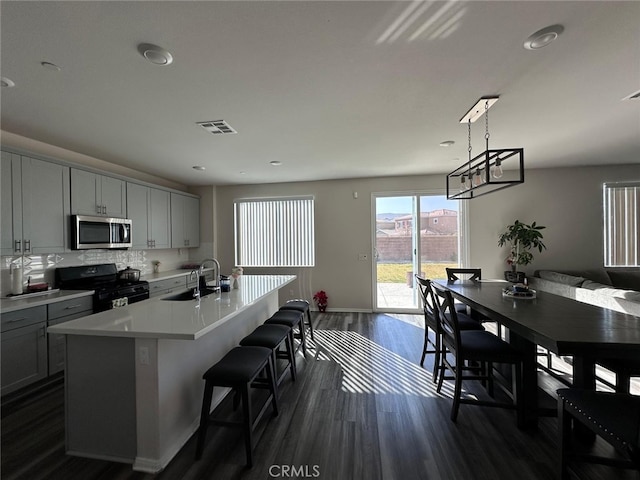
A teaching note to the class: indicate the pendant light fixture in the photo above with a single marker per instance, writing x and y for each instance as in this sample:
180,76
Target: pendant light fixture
489,171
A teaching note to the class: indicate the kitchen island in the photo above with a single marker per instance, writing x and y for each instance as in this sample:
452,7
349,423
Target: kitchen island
133,382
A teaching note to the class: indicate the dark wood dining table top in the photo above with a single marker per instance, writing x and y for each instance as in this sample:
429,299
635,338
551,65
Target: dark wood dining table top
563,325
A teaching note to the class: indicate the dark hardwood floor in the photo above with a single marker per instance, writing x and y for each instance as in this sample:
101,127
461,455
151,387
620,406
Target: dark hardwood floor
362,408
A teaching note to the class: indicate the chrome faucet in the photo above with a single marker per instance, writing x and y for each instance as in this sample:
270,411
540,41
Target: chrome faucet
216,277
196,290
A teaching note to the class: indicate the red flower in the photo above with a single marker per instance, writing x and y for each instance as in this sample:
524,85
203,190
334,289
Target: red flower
321,297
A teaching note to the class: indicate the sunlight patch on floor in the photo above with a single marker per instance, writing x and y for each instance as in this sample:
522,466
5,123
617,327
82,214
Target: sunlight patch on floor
369,368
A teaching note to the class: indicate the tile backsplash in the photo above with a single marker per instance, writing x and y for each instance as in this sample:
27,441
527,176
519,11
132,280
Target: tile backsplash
41,268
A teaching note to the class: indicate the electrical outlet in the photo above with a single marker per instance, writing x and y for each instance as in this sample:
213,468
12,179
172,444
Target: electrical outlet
144,356
363,257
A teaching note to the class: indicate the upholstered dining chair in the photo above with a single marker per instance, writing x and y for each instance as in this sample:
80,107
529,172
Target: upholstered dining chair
474,352
615,417
431,324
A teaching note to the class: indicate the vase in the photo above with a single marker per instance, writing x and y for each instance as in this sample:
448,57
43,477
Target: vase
322,307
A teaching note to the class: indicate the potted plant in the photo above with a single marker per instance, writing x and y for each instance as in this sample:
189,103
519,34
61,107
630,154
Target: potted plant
521,238
321,300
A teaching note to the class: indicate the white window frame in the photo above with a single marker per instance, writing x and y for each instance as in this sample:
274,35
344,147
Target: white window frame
274,231
621,224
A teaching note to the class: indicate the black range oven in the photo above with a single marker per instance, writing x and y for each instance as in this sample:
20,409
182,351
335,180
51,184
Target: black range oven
110,292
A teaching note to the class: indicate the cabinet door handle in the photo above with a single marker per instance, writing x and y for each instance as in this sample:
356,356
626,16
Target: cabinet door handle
43,332
27,245
18,319
98,209
17,246
71,307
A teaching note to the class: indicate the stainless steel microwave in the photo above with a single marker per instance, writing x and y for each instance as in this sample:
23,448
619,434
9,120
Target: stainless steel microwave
100,232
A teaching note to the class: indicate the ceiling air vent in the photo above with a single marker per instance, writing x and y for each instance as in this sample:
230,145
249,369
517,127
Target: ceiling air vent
217,127
633,96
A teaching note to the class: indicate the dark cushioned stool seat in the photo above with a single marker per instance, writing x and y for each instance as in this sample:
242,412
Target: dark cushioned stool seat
239,369
292,319
272,337
613,416
302,306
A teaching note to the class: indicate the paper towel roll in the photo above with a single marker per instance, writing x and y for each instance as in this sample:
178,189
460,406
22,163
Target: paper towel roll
16,280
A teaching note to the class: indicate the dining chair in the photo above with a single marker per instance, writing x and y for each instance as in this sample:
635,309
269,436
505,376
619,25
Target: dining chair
615,417
431,322
474,353
474,273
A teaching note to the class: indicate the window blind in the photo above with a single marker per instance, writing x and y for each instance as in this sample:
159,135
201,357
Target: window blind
622,224
274,232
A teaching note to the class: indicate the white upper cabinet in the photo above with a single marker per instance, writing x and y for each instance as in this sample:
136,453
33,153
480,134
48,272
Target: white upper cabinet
35,205
185,221
95,194
149,210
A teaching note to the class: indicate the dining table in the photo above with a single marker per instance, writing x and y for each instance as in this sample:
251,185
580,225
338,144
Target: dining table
561,325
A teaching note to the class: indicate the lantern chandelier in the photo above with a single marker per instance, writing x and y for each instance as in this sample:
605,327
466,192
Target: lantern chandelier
489,171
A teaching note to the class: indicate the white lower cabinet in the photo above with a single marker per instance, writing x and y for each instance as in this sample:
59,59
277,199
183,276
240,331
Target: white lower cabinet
24,348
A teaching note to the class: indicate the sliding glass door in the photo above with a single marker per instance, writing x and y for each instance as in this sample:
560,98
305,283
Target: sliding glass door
414,233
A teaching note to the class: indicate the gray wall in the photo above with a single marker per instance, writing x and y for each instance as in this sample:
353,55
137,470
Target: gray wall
566,200
343,230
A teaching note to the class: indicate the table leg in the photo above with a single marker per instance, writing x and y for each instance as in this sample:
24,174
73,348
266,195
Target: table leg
584,376
529,378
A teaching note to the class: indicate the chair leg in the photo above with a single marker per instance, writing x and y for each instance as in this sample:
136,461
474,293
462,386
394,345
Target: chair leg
425,345
292,357
457,393
442,369
301,329
310,324
204,419
488,367
436,359
273,388
247,424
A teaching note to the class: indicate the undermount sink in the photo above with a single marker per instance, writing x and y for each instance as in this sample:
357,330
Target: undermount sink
188,295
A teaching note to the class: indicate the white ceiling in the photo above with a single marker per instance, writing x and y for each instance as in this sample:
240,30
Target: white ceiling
333,89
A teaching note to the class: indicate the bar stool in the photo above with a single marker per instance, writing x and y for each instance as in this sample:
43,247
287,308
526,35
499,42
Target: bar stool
302,306
239,369
272,337
292,319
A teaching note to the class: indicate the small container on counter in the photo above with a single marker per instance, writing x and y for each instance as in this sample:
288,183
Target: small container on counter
225,283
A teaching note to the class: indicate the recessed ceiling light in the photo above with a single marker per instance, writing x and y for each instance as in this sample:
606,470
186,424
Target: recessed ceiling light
155,54
275,163
633,96
7,82
447,143
543,37
199,168
50,66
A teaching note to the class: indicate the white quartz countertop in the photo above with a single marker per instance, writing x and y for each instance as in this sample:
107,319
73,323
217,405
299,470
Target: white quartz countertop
20,302
186,320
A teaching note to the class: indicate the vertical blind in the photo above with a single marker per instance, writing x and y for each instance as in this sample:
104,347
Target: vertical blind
622,224
274,232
